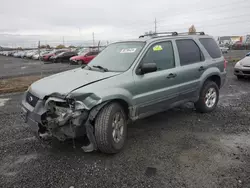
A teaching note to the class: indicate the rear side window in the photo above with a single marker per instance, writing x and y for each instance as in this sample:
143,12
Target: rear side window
211,47
189,52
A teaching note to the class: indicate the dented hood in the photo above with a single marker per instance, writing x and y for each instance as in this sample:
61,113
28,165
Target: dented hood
63,83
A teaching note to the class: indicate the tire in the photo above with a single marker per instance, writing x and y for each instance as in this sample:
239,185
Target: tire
201,105
104,130
80,62
240,77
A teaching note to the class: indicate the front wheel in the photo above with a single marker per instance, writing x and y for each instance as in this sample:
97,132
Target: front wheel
209,97
111,128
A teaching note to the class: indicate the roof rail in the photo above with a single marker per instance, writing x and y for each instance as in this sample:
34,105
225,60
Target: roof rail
162,33
174,33
192,33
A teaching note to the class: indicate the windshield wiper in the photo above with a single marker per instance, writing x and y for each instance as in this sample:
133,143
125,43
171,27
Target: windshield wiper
100,67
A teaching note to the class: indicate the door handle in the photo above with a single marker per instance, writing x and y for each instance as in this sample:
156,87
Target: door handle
201,68
171,75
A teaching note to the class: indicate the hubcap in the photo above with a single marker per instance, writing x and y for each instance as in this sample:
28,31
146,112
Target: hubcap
118,127
210,97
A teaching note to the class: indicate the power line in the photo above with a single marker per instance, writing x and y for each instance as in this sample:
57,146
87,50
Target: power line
181,13
222,24
206,9
224,18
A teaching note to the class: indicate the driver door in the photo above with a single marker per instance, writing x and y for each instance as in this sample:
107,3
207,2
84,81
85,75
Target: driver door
156,91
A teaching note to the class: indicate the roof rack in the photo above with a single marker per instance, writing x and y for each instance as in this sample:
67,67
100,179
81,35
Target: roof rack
156,34
192,33
174,33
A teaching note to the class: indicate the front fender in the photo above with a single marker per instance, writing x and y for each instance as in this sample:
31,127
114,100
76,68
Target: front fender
93,99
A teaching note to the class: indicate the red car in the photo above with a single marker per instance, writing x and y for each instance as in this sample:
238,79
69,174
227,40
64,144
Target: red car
84,58
46,57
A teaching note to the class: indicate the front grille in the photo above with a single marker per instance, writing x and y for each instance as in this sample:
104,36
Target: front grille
31,99
246,72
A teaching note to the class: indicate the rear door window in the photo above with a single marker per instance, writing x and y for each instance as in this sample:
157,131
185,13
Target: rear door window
211,46
189,52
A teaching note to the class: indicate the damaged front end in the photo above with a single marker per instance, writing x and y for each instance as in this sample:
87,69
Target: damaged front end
63,118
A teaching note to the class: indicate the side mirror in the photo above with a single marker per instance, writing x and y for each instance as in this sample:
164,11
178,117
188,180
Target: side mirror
147,68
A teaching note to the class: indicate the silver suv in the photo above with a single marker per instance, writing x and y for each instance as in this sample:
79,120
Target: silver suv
127,81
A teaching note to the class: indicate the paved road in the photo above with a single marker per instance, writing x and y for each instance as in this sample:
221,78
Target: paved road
178,148
13,67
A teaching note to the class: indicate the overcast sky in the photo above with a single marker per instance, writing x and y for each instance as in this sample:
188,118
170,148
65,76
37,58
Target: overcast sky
27,21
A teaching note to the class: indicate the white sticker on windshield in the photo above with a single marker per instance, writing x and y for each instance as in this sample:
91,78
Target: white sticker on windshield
128,50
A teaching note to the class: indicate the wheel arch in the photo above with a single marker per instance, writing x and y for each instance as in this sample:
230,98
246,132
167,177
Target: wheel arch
216,79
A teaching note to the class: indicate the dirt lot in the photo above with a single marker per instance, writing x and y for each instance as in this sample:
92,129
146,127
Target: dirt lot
178,148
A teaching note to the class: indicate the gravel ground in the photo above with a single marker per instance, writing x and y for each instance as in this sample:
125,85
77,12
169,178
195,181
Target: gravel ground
235,54
177,148
14,67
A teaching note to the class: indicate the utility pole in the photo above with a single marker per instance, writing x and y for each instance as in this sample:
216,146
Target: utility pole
39,48
63,40
93,34
155,25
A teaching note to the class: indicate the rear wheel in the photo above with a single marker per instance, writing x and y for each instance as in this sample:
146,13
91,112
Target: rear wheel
111,128
209,97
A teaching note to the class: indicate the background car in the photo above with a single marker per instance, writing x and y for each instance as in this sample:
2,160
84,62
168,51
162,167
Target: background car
84,58
18,54
31,53
224,50
242,68
46,57
63,56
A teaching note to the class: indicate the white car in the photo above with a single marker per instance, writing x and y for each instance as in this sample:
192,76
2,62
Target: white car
36,56
224,50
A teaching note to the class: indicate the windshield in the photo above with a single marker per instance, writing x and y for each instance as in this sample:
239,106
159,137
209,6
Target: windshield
118,57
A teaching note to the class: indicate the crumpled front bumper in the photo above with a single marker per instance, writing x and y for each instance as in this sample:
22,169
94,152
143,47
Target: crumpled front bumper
34,116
